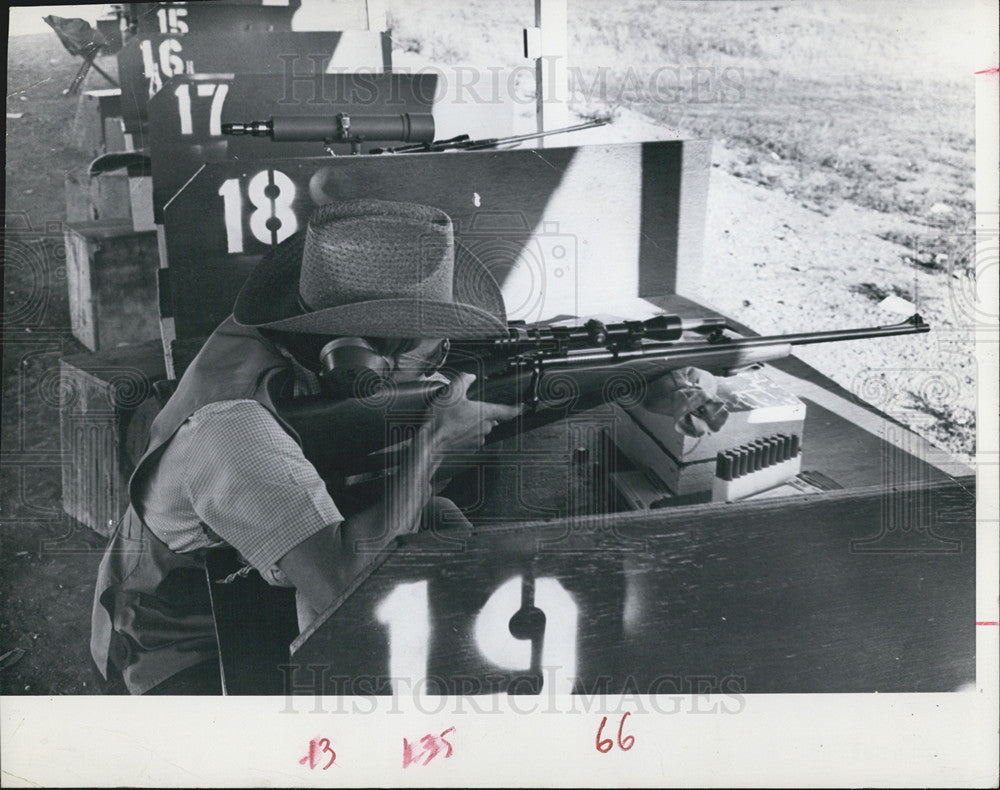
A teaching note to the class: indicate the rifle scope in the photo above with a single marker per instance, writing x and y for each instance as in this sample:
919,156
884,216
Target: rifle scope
596,334
339,128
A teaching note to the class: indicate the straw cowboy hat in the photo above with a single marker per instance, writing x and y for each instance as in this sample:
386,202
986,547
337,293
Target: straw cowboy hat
374,268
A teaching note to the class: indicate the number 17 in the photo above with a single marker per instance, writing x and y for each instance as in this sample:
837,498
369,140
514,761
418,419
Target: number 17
204,89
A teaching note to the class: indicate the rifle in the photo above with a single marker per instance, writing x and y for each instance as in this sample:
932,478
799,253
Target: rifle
553,370
463,142
414,128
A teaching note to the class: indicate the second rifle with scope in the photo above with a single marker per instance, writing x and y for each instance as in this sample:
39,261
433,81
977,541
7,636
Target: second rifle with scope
414,129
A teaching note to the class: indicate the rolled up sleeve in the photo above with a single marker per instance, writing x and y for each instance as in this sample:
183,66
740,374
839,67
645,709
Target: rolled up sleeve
250,484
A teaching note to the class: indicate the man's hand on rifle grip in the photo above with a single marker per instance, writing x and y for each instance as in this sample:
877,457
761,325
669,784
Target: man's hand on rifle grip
462,424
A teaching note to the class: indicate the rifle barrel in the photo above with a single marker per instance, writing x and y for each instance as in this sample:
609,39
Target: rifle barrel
705,350
911,326
492,142
463,143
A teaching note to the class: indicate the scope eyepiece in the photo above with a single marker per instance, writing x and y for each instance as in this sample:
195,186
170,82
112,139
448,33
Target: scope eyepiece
252,128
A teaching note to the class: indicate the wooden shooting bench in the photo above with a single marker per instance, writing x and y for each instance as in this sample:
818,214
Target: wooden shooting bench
556,587
866,588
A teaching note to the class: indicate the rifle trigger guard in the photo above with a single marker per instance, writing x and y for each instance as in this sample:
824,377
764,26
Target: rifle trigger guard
534,384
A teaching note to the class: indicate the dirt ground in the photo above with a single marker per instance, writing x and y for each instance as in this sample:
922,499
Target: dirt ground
49,563
805,232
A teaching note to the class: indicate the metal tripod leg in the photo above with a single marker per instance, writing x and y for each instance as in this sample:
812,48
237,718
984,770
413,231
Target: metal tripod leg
81,73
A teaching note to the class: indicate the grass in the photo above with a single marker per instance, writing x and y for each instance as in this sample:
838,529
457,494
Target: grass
833,103
828,101
936,251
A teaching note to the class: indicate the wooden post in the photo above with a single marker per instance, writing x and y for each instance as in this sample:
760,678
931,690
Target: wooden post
549,41
168,329
375,11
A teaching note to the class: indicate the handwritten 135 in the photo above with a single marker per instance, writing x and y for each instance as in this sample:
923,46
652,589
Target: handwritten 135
430,747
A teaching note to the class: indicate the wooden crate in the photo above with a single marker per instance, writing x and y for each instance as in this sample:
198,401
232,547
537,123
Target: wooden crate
99,199
110,196
140,190
107,404
111,274
97,126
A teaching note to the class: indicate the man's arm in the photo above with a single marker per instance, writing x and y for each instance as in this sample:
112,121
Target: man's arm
324,565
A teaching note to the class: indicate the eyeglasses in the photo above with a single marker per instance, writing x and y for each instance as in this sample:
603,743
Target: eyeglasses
425,358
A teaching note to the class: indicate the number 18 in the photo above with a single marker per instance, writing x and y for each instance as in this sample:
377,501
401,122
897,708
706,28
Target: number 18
271,193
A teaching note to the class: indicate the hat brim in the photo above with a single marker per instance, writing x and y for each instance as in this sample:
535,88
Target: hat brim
269,300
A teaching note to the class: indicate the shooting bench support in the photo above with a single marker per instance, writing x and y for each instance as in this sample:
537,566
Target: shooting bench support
254,624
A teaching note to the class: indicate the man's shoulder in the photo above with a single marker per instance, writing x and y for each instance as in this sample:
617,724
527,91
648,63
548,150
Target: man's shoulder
227,422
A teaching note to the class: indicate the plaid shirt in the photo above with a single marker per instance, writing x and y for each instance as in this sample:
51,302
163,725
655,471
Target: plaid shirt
232,475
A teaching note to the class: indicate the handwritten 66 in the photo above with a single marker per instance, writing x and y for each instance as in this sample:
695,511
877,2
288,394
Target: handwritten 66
624,743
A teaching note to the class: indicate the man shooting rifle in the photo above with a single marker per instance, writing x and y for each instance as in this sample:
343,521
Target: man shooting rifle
224,468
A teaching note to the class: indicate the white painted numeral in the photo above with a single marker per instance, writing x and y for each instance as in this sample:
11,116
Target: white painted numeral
183,94
149,68
271,193
218,94
205,89
171,63
167,62
268,213
405,612
233,203
171,21
495,642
